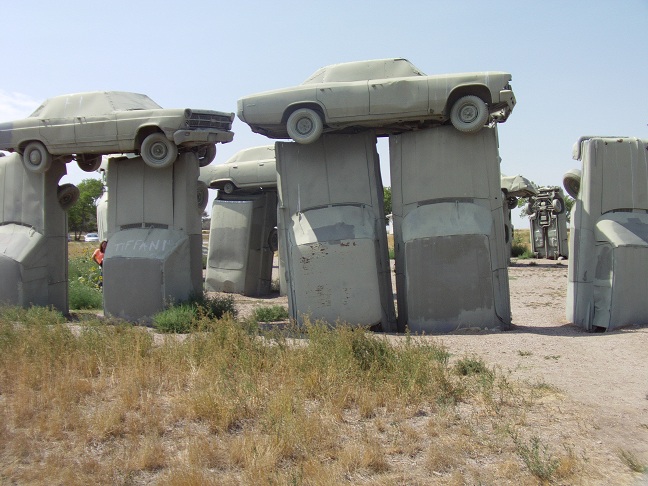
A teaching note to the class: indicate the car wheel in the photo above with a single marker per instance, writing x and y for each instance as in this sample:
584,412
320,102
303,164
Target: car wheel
304,126
529,207
88,163
36,157
229,188
511,201
469,114
273,240
158,151
202,195
206,154
67,195
572,181
558,205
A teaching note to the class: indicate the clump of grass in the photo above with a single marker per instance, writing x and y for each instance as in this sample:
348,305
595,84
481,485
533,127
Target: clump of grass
471,366
630,460
81,296
271,313
187,316
537,457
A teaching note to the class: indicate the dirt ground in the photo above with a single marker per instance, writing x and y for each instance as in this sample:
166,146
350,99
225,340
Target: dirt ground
602,378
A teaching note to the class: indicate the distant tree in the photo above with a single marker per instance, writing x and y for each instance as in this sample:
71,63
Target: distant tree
387,198
82,217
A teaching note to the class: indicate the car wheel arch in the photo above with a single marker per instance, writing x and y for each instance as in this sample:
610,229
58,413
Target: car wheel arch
316,107
478,90
144,132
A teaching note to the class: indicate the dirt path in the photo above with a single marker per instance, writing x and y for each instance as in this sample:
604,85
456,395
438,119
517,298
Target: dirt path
602,378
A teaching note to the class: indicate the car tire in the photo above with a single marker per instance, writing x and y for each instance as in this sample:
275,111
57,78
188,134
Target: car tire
229,187
158,151
529,207
202,195
89,163
558,205
304,126
67,195
36,158
572,181
469,114
273,240
511,201
206,154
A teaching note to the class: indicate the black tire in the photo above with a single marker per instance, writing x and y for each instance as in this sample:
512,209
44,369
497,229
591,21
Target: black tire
206,154
229,187
572,181
558,205
36,158
469,114
529,207
273,239
304,126
89,163
158,151
68,195
202,195
511,201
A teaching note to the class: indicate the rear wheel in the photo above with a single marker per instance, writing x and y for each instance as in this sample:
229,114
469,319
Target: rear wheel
88,163
304,126
469,114
36,158
158,151
202,195
67,195
228,188
558,205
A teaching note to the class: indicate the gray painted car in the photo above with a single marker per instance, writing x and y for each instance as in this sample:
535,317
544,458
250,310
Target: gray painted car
249,170
391,95
98,123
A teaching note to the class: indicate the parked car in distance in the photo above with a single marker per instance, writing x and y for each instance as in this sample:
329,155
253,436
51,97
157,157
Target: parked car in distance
89,125
249,170
390,95
91,237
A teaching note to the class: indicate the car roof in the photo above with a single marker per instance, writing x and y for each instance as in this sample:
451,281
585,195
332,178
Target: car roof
93,102
363,70
263,152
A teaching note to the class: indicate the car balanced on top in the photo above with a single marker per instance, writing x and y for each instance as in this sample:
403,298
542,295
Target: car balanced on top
89,125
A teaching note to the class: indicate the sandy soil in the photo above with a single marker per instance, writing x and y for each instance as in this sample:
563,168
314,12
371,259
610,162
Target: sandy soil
602,378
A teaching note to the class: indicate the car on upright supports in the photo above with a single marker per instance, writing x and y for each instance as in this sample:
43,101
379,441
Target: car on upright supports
89,125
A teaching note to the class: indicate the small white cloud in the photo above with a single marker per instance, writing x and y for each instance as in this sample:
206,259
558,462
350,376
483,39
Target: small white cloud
14,106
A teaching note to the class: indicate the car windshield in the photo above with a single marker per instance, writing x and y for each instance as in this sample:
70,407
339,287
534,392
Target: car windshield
363,70
123,101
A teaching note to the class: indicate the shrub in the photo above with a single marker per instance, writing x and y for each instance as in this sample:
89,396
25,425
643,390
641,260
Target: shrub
82,296
271,314
186,316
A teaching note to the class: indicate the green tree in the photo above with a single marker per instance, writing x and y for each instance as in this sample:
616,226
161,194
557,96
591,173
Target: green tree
387,198
82,217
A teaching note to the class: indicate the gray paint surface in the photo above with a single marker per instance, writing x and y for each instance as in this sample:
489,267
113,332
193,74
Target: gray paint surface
451,255
154,252
332,224
33,236
240,257
548,225
608,273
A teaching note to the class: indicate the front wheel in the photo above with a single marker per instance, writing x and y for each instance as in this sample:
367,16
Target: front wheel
228,188
158,151
206,154
36,158
304,126
469,114
558,205
202,196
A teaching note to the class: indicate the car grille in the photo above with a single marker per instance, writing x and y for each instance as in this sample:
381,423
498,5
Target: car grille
210,120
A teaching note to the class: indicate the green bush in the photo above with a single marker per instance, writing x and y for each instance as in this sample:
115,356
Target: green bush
271,314
83,296
187,316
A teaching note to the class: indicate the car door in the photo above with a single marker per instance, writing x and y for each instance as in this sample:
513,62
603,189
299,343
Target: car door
95,124
56,126
344,101
407,96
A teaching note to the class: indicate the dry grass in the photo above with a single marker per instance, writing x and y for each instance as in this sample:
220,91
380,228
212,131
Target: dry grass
102,404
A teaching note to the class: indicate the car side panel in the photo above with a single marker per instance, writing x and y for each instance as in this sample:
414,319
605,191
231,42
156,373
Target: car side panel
408,96
344,100
97,132
57,134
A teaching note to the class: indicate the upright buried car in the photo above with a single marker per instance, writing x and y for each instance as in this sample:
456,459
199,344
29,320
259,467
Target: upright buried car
391,95
93,124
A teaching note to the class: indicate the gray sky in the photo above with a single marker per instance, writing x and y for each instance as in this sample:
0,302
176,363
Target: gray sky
578,67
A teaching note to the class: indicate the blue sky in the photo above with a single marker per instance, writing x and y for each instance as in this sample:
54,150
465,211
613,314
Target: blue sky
578,67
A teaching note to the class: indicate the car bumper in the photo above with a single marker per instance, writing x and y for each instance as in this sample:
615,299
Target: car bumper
200,137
